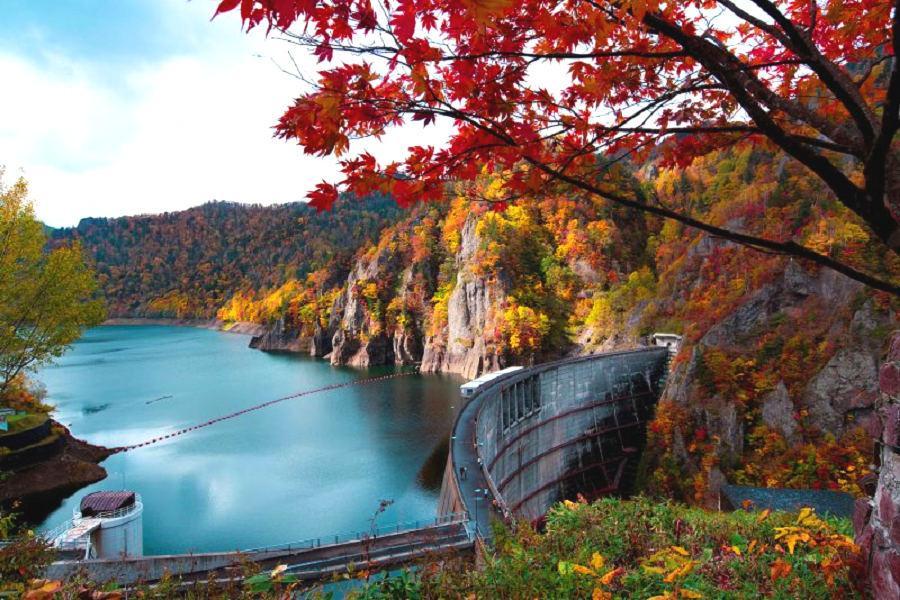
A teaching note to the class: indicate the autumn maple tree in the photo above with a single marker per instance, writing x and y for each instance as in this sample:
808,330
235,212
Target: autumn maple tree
550,93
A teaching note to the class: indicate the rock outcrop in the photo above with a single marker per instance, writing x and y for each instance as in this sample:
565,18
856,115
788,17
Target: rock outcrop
279,338
837,396
359,340
40,486
877,519
320,342
462,346
778,412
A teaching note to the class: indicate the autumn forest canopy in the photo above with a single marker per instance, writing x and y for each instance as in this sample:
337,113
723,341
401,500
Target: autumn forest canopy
538,92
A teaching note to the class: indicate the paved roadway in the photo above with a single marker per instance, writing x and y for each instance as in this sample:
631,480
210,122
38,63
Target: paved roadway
479,506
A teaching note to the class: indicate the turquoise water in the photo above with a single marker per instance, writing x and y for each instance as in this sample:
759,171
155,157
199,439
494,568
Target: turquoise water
308,467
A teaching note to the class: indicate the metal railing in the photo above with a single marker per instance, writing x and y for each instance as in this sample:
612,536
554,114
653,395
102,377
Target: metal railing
357,536
377,554
113,514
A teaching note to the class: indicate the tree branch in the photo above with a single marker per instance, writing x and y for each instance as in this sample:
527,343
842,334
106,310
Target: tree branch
789,248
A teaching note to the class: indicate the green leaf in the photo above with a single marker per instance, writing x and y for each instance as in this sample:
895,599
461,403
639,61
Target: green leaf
565,568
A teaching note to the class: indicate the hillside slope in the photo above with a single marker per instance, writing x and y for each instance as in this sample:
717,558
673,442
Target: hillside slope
187,264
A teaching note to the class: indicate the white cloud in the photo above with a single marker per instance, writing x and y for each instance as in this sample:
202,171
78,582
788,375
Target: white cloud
161,135
178,133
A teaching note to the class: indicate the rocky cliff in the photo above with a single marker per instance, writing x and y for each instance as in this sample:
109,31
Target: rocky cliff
877,519
379,317
464,344
278,337
361,339
780,391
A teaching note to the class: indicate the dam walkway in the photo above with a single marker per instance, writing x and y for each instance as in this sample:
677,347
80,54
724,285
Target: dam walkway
310,559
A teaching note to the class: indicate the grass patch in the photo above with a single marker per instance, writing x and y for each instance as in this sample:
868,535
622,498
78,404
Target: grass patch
19,423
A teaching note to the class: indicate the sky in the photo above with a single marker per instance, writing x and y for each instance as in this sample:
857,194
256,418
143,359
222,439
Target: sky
120,107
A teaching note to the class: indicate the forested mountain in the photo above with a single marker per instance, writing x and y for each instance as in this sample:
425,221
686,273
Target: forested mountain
187,264
775,380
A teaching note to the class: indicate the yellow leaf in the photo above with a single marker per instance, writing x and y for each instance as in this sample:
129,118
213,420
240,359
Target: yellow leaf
736,550
762,516
582,570
680,550
51,587
791,543
612,575
46,591
679,572
686,593
656,570
600,594
597,561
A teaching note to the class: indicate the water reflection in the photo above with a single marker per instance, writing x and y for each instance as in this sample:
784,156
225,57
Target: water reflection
298,469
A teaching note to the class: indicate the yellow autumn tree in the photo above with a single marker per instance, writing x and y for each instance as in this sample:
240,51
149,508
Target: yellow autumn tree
47,298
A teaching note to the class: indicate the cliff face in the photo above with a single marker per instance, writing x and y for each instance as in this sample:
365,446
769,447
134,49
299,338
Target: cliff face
280,338
361,339
463,345
379,317
737,385
469,290
877,519
407,332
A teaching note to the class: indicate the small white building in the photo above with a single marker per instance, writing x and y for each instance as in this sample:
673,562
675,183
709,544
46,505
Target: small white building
106,525
672,341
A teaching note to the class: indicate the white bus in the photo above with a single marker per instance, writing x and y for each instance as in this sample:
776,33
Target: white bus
468,389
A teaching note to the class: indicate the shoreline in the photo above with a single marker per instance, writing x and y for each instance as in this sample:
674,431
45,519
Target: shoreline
42,486
239,327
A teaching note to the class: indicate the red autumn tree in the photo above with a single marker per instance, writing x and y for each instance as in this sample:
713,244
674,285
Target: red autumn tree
550,92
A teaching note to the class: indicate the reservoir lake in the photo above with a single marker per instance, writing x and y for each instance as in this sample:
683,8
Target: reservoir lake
312,466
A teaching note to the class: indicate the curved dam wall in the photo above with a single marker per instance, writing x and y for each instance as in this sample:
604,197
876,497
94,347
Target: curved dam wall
575,426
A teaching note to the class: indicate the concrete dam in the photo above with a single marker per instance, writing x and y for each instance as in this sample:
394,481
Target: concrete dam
534,437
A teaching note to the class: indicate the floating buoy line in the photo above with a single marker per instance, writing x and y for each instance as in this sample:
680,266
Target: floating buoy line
260,407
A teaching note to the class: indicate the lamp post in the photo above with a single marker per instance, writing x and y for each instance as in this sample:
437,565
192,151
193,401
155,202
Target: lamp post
478,492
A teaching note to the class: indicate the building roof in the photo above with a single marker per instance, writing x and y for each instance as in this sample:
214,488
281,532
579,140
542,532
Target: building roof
837,504
99,502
